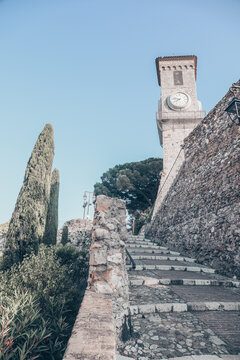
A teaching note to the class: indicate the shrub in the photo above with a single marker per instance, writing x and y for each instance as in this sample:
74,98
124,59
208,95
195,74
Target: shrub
75,260
51,227
64,239
27,225
24,333
56,279
141,219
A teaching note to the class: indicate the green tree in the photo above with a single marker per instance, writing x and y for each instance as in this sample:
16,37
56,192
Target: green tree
135,182
64,239
50,235
27,225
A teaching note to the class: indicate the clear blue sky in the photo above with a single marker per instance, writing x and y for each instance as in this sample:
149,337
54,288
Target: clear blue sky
88,67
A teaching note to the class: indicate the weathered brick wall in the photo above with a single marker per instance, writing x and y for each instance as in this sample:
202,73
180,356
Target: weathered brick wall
200,215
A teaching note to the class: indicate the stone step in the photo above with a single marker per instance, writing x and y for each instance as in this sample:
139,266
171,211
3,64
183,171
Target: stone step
206,293
136,237
183,307
136,244
173,267
162,257
168,262
145,246
177,275
140,239
201,357
188,282
140,243
150,250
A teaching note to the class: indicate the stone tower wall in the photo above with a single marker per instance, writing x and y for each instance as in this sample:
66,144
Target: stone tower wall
200,213
175,125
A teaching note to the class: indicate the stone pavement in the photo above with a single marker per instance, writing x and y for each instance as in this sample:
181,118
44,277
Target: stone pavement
180,310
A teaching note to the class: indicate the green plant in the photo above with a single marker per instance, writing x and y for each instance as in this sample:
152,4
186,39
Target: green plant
64,239
75,260
50,235
24,333
142,218
56,278
135,182
27,225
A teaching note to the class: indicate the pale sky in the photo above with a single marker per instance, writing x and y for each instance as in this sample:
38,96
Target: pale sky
88,67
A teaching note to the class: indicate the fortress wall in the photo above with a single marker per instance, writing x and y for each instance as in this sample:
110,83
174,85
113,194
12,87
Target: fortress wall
200,215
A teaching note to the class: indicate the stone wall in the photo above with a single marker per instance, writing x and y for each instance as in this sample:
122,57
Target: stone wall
105,306
175,74
79,233
107,272
200,214
93,335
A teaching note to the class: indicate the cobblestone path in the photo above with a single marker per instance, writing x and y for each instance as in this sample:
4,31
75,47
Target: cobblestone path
180,310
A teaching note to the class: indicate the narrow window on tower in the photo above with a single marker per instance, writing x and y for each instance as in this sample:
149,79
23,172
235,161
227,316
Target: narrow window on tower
178,78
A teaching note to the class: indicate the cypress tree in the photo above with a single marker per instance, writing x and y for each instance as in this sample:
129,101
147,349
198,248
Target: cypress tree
50,236
64,239
27,225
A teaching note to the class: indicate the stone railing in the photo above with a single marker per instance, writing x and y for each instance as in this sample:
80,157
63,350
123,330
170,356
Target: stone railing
93,335
98,327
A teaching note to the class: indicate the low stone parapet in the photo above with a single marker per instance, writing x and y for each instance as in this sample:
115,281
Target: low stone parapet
102,318
93,335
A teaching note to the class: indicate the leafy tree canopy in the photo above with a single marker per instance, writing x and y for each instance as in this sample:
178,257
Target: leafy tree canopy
135,182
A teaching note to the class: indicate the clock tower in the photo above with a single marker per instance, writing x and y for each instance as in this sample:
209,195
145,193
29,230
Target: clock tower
179,112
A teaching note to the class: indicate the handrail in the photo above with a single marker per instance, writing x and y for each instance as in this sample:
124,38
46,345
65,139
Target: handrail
131,259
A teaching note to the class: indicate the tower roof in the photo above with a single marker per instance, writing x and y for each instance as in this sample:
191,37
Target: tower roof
175,58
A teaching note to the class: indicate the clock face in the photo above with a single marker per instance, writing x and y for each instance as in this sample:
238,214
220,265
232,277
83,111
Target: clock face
178,100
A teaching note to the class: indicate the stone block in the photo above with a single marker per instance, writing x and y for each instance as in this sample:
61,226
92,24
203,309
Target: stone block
98,257
189,282
236,283
208,270
179,267
136,282
115,258
151,281
194,268
165,281
102,204
134,310
179,307
202,282
146,309
231,306
102,287
167,307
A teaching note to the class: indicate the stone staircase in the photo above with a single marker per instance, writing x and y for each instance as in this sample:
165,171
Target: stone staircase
180,309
